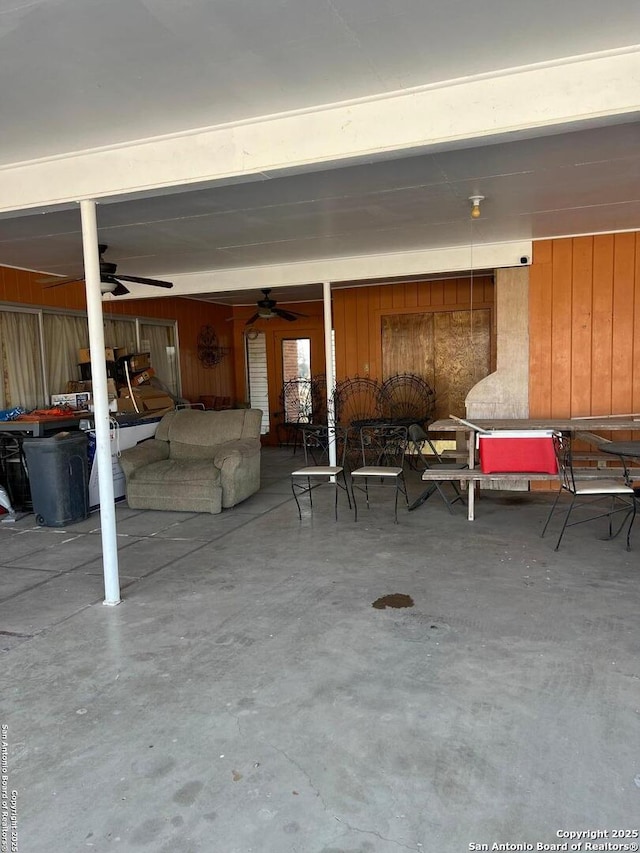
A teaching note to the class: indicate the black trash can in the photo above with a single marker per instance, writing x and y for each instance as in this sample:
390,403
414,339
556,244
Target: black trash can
58,478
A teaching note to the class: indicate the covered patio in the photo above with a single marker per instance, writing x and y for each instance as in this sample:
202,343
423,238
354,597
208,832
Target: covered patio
247,696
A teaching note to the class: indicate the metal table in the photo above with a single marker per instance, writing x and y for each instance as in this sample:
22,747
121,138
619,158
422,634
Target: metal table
40,427
624,450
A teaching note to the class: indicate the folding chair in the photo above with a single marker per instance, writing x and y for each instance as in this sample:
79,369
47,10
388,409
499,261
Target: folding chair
422,462
617,493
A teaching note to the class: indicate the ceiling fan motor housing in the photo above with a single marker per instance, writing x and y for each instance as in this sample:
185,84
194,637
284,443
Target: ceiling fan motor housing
266,310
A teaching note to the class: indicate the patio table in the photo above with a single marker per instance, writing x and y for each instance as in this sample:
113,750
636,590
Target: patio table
625,450
570,426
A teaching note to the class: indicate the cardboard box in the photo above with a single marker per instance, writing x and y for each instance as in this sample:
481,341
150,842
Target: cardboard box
139,361
160,401
141,378
136,361
84,355
148,399
126,406
76,401
76,386
511,451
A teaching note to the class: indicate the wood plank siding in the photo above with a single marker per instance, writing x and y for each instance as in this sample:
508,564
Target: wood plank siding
584,312
358,313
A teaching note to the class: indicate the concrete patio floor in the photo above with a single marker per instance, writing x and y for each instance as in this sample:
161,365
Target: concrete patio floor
247,698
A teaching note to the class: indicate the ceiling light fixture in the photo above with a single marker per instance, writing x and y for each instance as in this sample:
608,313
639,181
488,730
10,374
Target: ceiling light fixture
475,201
265,313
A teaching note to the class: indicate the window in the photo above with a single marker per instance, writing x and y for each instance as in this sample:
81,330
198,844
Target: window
39,351
21,360
64,335
160,339
296,358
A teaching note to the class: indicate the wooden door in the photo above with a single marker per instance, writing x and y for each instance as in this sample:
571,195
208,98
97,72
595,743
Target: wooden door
450,349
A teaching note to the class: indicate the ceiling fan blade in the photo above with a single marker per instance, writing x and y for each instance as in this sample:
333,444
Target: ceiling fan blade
154,281
252,319
119,289
48,282
287,315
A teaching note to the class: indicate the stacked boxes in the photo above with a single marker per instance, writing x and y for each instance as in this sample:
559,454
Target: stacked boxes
125,370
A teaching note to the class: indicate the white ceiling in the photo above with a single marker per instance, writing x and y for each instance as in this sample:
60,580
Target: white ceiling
82,74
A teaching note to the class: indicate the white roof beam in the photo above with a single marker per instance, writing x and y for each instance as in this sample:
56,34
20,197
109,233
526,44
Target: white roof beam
597,88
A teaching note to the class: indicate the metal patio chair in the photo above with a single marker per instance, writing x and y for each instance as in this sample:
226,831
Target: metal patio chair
382,447
317,470
297,409
619,496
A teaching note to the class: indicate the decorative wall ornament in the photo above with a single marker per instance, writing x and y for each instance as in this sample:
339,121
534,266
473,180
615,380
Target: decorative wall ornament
210,352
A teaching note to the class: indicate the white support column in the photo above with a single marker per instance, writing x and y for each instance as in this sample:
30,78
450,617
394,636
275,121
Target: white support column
101,402
331,379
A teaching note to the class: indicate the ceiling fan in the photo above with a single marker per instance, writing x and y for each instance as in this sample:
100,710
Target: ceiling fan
267,310
109,281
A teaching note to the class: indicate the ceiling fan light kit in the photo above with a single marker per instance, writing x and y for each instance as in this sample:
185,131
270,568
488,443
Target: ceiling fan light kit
110,281
267,310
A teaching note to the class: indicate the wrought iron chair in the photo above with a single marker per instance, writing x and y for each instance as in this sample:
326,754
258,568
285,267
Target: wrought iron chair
319,399
617,493
408,399
383,447
421,461
317,470
358,400
297,409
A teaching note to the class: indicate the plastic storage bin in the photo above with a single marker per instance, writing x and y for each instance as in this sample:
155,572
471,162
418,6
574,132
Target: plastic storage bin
508,451
58,478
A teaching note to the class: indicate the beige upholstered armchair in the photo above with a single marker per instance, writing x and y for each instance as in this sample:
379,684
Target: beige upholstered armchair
199,461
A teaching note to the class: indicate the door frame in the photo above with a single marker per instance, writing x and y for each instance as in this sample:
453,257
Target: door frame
275,373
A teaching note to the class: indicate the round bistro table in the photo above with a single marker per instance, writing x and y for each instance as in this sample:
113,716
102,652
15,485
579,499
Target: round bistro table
625,450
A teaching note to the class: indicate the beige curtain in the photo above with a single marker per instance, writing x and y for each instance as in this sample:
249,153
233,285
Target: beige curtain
120,333
63,337
161,342
20,362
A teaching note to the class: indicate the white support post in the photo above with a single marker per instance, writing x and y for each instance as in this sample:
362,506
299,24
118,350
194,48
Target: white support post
101,402
331,379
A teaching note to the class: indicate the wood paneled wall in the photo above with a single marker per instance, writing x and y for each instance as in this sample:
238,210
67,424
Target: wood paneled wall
357,313
584,307
584,324
19,286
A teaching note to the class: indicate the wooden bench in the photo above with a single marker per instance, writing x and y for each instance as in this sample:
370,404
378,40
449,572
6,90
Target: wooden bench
466,474
475,475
